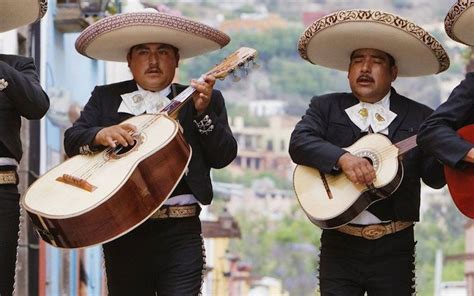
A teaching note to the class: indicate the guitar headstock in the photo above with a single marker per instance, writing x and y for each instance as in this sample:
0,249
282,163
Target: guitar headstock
241,59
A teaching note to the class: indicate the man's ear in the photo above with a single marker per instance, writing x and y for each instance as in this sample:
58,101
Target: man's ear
177,60
394,71
129,59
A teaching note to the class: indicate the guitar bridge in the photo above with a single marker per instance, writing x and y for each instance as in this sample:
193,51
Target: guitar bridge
76,182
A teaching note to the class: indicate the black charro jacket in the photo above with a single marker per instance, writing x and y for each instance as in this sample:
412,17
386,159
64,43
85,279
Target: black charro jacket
438,133
214,150
22,97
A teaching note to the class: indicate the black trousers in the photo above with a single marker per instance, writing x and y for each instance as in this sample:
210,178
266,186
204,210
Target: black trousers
351,266
160,257
9,227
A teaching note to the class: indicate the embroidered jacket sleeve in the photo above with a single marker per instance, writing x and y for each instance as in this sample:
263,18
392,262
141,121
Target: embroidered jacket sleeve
78,138
438,133
215,135
308,145
21,85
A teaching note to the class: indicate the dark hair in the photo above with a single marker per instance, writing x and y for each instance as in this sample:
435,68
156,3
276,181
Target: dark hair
391,59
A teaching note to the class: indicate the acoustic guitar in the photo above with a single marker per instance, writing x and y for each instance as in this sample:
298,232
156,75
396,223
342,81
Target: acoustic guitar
331,201
460,181
92,199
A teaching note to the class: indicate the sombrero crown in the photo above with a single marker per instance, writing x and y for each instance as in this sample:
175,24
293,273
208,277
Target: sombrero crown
459,22
330,40
112,37
17,13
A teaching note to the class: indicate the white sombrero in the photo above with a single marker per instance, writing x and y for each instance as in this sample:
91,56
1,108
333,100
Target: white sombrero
459,22
112,37
330,40
17,13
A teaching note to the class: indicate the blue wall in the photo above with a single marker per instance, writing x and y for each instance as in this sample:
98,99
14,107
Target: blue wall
77,75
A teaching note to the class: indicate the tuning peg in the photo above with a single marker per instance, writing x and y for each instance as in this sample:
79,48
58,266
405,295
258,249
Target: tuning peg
254,64
244,69
235,77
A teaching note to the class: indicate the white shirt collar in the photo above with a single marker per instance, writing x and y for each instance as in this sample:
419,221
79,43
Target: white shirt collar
141,101
385,101
164,92
377,115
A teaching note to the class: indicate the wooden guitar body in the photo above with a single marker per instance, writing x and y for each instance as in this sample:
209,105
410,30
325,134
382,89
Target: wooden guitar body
460,181
127,191
331,201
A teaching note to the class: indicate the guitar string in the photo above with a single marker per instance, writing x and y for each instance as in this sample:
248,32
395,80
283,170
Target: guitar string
403,145
93,164
86,171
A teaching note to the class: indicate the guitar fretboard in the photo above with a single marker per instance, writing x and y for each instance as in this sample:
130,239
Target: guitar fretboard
177,102
405,145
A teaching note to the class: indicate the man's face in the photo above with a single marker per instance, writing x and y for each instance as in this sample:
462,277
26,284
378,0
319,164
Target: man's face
370,74
153,65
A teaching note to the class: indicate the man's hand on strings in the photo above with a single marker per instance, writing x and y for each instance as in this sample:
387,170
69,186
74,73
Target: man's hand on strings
357,169
202,96
116,134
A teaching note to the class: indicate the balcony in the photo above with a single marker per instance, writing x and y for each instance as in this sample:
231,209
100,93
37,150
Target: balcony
76,15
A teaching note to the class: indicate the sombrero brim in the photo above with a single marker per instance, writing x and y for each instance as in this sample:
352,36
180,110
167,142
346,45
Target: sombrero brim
17,13
459,22
329,41
111,38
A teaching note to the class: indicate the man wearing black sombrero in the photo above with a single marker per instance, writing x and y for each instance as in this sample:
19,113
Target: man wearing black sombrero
21,95
374,252
438,133
165,254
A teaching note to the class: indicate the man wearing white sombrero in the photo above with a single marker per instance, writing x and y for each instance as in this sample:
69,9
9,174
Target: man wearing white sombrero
21,95
165,254
438,133
374,252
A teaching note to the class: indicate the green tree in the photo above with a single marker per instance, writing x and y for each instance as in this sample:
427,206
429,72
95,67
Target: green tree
286,249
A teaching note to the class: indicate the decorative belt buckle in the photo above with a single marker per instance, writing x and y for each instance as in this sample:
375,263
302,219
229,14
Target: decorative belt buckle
8,177
182,211
372,232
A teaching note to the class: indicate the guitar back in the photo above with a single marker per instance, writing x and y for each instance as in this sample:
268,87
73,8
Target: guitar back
460,181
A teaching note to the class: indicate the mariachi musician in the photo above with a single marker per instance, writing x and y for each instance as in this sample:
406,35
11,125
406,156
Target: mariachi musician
165,254
438,134
374,252
21,95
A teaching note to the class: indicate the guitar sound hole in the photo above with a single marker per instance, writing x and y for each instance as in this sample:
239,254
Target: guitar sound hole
120,150
370,161
371,157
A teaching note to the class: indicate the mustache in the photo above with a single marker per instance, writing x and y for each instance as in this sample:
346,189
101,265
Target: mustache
365,78
153,70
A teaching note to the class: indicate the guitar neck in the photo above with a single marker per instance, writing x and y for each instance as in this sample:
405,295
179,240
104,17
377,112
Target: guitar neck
406,145
177,102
